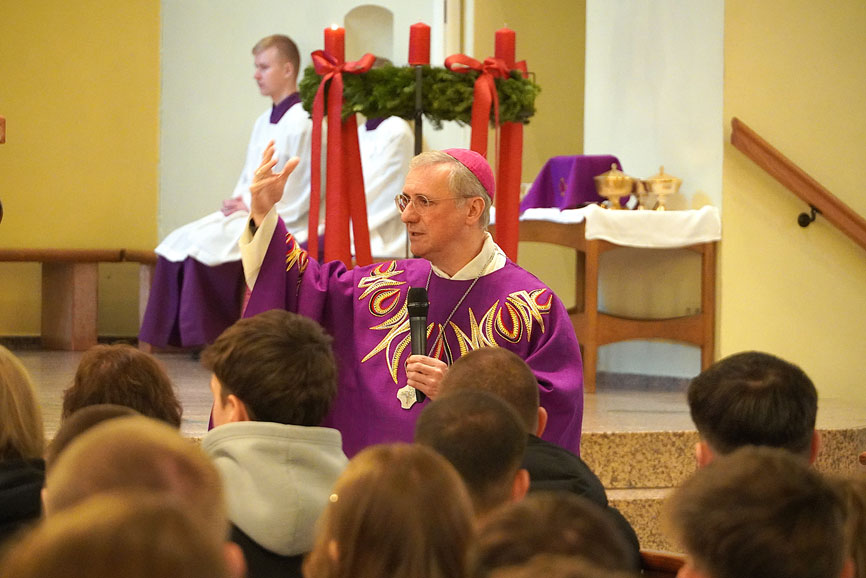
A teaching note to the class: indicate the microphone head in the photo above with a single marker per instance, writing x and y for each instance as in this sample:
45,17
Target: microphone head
416,302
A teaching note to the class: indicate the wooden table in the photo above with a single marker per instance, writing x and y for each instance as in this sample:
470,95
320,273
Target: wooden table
595,328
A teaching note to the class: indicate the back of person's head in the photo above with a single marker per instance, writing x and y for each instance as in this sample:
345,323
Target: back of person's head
500,372
78,423
853,490
558,566
558,523
137,454
285,46
279,364
129,535
759,511
755,398
397,511
484,439
21,433
123,375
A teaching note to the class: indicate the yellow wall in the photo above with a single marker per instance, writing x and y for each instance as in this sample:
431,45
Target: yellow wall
551,37
79,85
795,72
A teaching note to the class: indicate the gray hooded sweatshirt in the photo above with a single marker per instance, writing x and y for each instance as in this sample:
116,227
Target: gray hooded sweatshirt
277,479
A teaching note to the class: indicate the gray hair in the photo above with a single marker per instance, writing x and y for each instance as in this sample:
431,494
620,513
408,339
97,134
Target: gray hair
461,181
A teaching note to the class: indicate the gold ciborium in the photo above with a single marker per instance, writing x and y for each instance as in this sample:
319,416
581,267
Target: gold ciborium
662,185
613,185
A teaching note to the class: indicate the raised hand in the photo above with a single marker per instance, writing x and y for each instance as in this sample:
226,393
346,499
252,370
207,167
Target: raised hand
267,186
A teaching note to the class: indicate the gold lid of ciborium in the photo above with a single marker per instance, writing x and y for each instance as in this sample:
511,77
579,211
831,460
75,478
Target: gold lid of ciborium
662,183
614,184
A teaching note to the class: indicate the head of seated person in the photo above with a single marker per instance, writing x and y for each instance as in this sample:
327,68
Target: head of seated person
558,523
134,535
558,566
123,375
502,373
759,511
754,398
484,439
276,366
79,422
852,488
21,433
397,511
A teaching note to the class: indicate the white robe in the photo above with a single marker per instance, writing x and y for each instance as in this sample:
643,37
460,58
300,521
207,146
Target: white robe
213,240
385,155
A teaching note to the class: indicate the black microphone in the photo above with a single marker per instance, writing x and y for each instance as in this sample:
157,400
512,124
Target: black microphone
417,305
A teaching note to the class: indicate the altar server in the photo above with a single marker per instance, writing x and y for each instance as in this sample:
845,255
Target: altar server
197,287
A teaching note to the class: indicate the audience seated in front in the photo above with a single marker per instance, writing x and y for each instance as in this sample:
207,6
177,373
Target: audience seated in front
274,379
118,534
550,467
484,439
754,398
78,423
558,523
759,511
852,487
143,455
123,375
397,511
22,440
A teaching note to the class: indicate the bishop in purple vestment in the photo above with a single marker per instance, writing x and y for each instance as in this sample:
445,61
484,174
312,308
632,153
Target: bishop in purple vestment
478,298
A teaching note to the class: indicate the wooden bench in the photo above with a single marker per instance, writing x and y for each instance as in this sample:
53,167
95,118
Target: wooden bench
661,564
70,290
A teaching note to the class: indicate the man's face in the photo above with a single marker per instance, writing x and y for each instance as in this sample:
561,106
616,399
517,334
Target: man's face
434,231
273,72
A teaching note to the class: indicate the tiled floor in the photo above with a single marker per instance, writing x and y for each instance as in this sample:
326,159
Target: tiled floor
610,409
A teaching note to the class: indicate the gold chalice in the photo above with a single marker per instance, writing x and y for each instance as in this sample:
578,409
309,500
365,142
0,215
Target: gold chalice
613,185
662,185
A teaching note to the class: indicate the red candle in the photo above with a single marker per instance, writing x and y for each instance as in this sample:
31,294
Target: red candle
505,43
419,44
335,42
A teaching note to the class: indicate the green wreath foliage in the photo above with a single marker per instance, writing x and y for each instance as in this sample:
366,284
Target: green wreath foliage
447,95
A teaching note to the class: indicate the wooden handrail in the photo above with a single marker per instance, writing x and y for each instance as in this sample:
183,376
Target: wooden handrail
798,182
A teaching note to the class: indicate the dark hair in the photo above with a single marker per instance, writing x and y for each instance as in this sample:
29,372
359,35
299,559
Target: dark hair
78,423
754,398
500,372
550,523
760,511
279,364
558,566
123,375
482,436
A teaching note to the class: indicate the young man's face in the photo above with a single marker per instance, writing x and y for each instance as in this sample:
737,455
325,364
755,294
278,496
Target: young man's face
273,73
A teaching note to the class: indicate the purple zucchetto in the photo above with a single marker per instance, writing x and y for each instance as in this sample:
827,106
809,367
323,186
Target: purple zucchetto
477,165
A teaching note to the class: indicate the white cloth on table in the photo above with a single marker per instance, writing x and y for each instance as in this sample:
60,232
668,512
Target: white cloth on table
646,229
213,239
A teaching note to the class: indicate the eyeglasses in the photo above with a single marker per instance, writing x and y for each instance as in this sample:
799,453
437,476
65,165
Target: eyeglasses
420,202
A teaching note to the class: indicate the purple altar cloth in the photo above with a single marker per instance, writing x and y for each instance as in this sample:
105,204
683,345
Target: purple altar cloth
566,182
364,310
209,303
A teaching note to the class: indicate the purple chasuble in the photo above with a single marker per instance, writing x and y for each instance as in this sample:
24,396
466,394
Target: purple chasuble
364,309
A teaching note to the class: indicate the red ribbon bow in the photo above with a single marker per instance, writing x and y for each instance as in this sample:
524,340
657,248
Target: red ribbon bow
484,95
345,195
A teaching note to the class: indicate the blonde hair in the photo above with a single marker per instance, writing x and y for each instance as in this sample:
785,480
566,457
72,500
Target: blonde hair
141,454
21,433
284,45
398,511
131,535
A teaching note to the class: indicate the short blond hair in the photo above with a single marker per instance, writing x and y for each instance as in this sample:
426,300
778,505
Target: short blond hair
127,534
21,433
137,454
284,45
